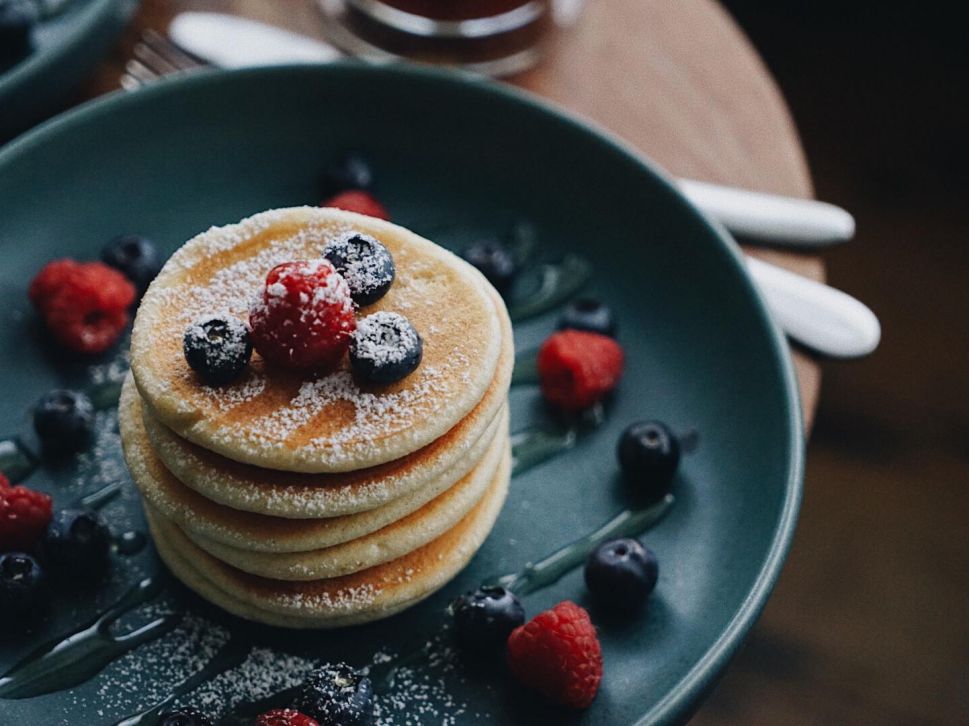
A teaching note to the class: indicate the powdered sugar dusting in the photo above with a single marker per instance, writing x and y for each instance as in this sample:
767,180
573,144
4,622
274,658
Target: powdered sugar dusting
421,691
330,421
312,500
376,414
385,337
348,599
263,673
227,398
365,263
127,685
232,287
333,291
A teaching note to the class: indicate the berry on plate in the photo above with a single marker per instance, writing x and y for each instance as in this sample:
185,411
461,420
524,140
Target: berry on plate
24,516
64,420
588,314
577,368
51,278
217,348
184,717
304,317
85,305
345,173
77,544
385,348
621,574
558,654
357,201
494,261
364,263
285,717
484,619
649,454
337,695
135,257
22,583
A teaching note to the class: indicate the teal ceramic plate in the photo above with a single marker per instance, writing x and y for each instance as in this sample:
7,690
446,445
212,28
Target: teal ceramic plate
457,161
67,47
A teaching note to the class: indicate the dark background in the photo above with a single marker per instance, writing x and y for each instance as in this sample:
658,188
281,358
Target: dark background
870,619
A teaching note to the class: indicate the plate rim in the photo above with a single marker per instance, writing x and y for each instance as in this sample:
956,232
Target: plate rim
685,696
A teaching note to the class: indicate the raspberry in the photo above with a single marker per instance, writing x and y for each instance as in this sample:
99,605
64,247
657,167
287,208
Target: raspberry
578,368
285,717
304,317
557,653
24,516
355,200
49,281
85,305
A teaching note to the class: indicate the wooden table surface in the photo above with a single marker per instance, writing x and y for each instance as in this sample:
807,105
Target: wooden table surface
677,80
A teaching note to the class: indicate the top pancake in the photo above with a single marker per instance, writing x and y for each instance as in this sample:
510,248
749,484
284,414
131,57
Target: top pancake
292,421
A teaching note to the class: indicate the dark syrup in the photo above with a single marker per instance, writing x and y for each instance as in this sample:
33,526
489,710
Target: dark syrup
100,497
556,283
533,445
229,656
550,569
73,658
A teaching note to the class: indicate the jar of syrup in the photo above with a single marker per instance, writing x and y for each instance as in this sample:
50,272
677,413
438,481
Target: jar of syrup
494,37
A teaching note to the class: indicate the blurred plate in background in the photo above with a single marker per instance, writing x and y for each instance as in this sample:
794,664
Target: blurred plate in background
67,47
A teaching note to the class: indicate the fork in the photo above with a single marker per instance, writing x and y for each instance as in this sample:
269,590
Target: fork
156,56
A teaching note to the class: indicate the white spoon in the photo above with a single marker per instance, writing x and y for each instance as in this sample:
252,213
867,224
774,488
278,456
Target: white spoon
816,315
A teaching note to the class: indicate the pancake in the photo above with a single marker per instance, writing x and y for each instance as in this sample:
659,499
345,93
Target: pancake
191,578
280,419
363,596
212,524
312,496
385,544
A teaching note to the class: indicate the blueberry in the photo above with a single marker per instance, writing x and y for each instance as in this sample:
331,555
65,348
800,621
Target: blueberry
364,263
64,420
184,717
495,262
347,172
649,454
17,20
484,619
590,315
217,348
621,574
77,544
22,583
337,695
385,348
135,257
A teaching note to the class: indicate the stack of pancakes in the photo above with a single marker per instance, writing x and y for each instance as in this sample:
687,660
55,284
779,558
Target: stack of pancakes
314,500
